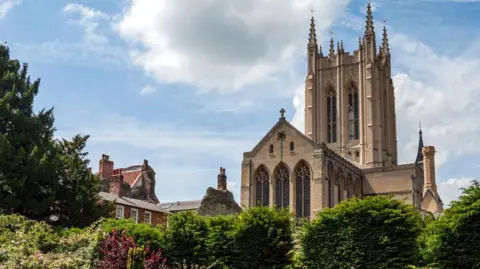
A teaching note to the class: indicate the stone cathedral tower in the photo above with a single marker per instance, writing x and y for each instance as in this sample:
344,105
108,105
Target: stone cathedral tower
349,146
349,99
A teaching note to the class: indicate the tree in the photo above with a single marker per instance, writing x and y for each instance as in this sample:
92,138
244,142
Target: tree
374,232
453,241
77,200
40,178
28,159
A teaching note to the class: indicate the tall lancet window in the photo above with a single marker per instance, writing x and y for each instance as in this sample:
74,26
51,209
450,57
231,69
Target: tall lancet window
353,126
282,186
302,178
262,186
331,116
330,174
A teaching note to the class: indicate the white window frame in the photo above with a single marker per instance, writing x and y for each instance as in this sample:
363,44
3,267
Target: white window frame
132,215
145,217
117,208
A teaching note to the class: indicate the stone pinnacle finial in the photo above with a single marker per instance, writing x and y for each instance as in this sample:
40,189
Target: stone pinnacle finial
385,47
369,24
312,39
282,114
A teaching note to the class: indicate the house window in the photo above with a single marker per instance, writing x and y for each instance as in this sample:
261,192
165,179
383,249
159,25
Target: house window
331,117
148,217
119,212
134,214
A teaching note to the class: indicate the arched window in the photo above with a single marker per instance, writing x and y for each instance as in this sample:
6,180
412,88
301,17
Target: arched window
271,148
347,189
353,126
337,189
302,174
292,146
331,117
282,186
330,174
262,186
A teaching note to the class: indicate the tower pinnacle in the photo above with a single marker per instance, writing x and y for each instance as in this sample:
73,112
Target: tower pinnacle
369,23
420,145
385,48
312,39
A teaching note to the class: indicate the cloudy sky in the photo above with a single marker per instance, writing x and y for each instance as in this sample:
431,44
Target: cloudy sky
191,84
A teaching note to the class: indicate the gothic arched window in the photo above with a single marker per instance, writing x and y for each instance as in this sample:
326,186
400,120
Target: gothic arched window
302,174
348,188
262,186
337,189
271,149
282,186
353,126
331,116
330,174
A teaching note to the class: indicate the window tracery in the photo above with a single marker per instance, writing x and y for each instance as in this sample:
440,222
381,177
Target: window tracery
282,186
262,186
331,116
302,174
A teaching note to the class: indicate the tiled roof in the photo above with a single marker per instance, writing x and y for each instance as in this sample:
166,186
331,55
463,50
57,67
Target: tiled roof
132,202
182,205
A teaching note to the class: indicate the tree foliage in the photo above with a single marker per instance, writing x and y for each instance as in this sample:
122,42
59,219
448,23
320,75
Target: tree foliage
453,241
375,232
41,178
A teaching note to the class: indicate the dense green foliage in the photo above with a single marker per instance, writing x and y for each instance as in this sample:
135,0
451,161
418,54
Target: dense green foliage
375,232
453,241
40,178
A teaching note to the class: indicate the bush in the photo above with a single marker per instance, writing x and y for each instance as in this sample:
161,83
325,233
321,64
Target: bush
220,242
453,241
374,232
263,238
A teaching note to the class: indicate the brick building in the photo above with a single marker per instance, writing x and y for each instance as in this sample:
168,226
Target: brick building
132,189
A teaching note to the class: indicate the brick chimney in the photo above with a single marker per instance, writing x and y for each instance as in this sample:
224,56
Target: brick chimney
145,165
429,169
222,180
105,166
116,182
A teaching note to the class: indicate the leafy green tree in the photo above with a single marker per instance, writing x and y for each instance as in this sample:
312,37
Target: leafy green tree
263,238
28,156
77,200
374,232
185,239
220,242
453,241
40,178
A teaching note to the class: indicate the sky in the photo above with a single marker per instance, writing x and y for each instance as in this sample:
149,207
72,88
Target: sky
190,85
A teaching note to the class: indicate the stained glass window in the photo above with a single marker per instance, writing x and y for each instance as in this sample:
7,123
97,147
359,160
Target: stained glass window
282,188
262,187
331,117
302,173
353,113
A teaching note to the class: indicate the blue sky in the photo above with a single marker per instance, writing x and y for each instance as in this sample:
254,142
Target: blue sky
191,84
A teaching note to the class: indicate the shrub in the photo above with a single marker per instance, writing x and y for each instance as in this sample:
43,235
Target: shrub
220,243
185,239
263,238
114,250
374,232
453,241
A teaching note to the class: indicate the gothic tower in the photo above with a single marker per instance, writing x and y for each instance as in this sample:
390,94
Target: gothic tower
349,99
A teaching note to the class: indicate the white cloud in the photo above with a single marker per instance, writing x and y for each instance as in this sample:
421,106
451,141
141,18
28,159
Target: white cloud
451,189
7,5
89,19
147,89
221,44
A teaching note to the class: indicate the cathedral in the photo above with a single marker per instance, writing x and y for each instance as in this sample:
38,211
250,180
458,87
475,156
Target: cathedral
349,145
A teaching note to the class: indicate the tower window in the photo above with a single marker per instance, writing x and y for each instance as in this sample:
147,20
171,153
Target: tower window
353,126
331,117
292,146
271,149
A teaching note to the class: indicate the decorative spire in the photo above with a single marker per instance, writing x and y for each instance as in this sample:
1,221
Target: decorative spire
420,145
369,23
360,42
385,48
338,48
341,47
320,52
312,39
